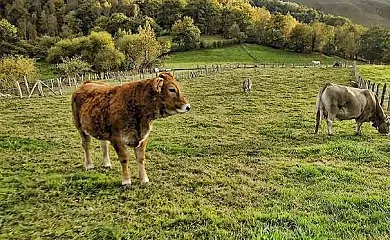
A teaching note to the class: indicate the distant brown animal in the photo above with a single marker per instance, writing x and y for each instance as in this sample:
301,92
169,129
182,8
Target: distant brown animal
344,103
247,85
123,115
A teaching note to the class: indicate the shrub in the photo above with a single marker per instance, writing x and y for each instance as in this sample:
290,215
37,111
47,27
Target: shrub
14,69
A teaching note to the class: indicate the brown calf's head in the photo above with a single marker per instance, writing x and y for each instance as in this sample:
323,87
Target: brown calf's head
173,102
382,126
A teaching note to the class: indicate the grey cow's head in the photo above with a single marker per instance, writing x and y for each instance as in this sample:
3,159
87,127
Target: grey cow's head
382,125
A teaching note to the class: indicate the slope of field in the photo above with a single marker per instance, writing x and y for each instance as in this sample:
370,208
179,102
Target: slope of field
368,13
246,53
236,167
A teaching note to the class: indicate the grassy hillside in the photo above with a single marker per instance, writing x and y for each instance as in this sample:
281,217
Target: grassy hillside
246,53
372,12
236,167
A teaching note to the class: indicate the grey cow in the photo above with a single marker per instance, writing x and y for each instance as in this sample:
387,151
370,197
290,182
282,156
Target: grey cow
345,103
247,85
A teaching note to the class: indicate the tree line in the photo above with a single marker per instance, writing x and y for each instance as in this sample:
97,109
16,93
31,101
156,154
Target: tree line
111,34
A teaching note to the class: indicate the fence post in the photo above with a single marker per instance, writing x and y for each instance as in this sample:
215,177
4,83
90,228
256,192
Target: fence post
377,90
26,83
59,85
40,88
19,89
383,94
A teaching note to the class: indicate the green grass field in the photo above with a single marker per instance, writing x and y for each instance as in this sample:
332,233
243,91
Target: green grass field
376,73
237,53
236,167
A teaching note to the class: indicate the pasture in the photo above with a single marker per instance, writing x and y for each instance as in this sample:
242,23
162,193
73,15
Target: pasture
244,53
237,166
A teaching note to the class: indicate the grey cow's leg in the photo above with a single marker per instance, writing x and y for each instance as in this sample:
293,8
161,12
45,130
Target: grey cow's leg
86,143
331,116
140,158
359,128
330,126
106,158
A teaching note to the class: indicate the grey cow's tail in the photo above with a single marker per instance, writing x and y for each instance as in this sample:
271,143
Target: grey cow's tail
319,106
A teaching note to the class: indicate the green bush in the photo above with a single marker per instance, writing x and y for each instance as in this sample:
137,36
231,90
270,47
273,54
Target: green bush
14,69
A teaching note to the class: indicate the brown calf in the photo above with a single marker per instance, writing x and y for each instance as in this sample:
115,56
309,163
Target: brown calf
123,115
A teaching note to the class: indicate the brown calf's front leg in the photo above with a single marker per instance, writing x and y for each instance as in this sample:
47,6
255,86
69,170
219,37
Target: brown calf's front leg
86,143
106,158
123,156
140,158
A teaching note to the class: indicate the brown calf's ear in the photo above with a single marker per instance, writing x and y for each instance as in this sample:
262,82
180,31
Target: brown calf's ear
165,75
157,84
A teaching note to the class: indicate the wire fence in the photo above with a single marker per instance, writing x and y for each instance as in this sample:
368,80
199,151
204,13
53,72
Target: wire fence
60,86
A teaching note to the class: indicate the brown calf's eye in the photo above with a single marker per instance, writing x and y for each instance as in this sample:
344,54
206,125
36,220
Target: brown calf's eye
172,90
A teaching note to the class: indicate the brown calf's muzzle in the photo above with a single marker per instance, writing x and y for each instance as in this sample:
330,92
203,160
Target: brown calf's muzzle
174,101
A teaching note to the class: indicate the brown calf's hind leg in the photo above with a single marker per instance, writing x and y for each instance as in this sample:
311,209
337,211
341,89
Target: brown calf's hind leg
106,158
123,156
140,158
86,143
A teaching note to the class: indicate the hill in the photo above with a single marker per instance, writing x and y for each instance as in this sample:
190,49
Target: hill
236,167
365,12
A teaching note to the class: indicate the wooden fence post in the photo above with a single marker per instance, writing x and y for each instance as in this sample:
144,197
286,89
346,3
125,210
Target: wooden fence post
383,94
40,89
59,85
26,83
377,90
19,89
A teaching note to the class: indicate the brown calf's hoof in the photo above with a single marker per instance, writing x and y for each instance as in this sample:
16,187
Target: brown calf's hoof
126,182
146,180
107,165
88,167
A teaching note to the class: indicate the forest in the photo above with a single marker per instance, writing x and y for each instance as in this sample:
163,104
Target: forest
112,34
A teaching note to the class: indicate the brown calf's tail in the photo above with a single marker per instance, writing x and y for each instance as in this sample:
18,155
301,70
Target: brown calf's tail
319,106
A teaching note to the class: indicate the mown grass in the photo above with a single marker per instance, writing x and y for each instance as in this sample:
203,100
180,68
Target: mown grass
237,53
236,167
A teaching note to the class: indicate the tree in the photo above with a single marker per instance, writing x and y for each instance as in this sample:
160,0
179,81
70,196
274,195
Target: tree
115,23
206,15
98,49
319,36
300,38
279,29
52,25
71,25
8,37
346,40
235,12
259,21
235,33
141,50
169,12
375,44
185,33
71,67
